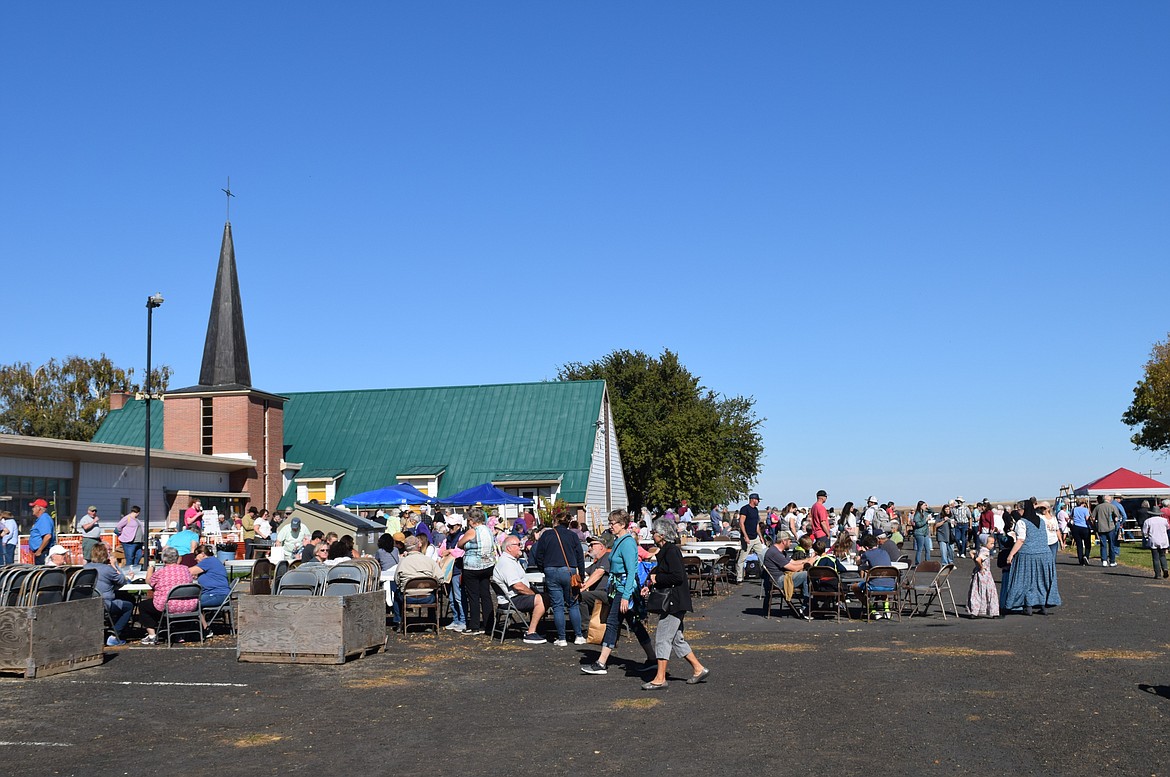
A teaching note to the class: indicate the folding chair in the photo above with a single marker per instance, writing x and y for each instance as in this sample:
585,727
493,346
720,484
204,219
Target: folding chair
825,584
420,589
506,613
222,611
784,591
49,587
279,572
262,577
933,589
185,621
694,570
81,586
300,582
881,585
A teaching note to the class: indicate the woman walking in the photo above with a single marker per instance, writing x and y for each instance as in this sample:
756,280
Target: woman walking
623,569
669,580
479,561
1031,570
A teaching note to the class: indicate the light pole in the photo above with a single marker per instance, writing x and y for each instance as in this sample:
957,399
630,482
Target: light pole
152,302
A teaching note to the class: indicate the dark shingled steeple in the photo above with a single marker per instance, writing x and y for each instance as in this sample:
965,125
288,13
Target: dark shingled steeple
225,353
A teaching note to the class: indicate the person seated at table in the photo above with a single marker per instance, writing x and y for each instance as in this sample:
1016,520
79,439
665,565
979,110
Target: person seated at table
872,557
509,574
891,548
162,580
342,550
592,593
184,541
309,552
58,557
109,580
212,577
413,564
804,548
777,562
387,554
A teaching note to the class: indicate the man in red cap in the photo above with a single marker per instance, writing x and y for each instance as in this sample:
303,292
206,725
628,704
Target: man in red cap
43,534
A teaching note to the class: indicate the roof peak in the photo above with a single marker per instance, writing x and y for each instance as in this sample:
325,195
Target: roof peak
225,351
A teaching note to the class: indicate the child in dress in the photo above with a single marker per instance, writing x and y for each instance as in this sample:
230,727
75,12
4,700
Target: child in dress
983,600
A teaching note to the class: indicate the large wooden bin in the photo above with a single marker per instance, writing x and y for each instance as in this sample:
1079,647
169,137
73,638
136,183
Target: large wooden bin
51,638
310,629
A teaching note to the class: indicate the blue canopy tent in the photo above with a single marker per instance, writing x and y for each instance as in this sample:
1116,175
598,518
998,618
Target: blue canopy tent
484,494
401,494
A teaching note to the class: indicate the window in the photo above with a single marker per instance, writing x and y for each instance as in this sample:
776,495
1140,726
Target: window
208,416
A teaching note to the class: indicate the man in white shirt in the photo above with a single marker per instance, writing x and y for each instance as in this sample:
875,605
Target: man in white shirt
292,537
509,574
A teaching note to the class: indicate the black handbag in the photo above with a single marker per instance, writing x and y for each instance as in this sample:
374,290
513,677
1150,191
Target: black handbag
659,600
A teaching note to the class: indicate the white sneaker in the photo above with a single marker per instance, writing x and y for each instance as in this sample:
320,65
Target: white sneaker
1104,563
453,626
561,643
580,641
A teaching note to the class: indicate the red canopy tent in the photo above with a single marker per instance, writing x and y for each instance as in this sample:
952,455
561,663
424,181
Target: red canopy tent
1125,482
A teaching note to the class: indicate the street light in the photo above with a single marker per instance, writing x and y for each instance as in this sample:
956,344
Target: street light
152,302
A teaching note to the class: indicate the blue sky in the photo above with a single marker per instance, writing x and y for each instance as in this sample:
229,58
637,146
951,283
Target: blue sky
929,239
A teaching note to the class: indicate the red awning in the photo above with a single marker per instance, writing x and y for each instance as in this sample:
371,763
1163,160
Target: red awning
1126,482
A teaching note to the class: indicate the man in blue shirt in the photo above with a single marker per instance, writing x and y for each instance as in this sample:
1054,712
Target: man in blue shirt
184,541
1081,533
43,534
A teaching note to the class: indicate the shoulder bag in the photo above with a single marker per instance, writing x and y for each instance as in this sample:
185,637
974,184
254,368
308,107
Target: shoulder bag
574,577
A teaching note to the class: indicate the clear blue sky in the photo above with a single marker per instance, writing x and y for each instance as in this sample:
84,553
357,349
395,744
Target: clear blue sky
929,238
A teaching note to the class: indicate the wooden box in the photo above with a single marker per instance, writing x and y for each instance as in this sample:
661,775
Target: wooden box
310,629
51,638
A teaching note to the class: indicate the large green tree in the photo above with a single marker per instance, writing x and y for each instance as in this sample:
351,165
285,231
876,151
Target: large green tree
65,399
677,438
1150,410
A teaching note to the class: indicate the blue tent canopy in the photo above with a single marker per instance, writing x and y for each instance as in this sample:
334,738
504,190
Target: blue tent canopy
401,494
484,494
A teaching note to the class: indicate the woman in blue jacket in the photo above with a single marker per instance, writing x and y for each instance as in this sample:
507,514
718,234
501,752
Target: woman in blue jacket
623,582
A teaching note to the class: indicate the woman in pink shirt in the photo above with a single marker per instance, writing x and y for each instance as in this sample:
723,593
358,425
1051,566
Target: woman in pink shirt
162,581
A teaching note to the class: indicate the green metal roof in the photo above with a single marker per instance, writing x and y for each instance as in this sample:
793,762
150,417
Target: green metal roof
128,425
432,469
520,477
545,428
321,473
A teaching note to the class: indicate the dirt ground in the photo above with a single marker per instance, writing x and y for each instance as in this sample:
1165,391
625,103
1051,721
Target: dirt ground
1084,690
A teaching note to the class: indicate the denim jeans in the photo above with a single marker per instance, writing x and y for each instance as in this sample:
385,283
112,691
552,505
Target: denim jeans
961,540
613,624
9,553
1115,538
921,549
209,600
120,611
1159,558
458,614
133,553
1084,541
945,552
1107,549
560,594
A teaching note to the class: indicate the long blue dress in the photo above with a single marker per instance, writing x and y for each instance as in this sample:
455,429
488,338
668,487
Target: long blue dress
1031,578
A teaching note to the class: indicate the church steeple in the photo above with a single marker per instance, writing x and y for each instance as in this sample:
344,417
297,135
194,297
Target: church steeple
225,352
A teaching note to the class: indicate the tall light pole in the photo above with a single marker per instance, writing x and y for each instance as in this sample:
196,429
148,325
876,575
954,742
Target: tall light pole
152,302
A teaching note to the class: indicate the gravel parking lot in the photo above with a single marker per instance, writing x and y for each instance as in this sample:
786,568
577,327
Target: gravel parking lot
1084,690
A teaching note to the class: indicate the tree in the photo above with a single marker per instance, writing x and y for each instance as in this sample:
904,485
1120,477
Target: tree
65,400
677,438
1150,409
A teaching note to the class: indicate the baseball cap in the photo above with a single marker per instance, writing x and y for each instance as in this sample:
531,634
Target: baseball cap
58,549
38,503
296,523
822,492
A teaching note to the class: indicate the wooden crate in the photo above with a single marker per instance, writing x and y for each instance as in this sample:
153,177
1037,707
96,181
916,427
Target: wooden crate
51,638
310,629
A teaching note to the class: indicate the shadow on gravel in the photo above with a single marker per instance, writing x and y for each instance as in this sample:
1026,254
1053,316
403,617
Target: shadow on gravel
1155,690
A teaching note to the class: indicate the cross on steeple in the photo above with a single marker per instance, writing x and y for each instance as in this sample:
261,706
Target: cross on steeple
228,192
